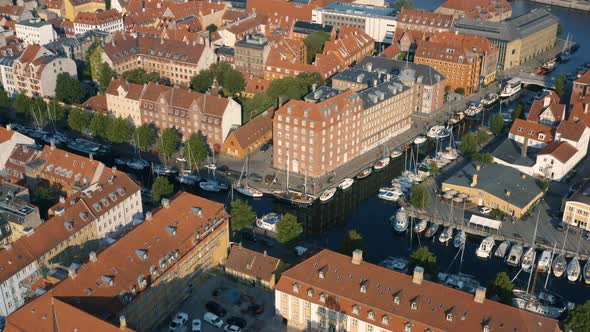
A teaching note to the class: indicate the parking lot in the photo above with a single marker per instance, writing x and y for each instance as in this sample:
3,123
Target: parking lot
235,298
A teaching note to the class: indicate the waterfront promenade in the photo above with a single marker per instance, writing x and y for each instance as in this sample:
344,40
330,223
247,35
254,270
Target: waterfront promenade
573,4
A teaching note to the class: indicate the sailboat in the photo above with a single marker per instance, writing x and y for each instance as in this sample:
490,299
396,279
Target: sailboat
400,220
528,259
514,255
246,189
459,239
291,196
502,249
420,226
446,235
543,303
565,54
544,261
586,274
431,231
559,264
573,270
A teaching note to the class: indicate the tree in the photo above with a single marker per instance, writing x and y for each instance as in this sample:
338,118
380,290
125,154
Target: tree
484,157
99,125
22,104
242,215
105,76
460,91
196,149
256,105
79,119
169,141
161,188
434,169
419,196
426,259
560,83
45,197
144,136
288,229
469,144
579,318
288,88
518,111
119,131
399,4
4,99
94,59
312,78
497,124
501,287
203,81
232,82
139,76
482,136
211,28
352,240
315,44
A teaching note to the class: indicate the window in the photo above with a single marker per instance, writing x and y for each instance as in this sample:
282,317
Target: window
355,322
371,315
355,309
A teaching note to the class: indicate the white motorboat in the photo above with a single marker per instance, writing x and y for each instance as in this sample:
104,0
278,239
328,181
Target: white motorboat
420,140
528,259
446,235
514,255
459,239
459,281
395,153
327,194
395,264
209,186
457,117
420,226
269,221
247,190
135,164
364,173
388,195
573,270
346,183
586,273
449,154
473,109
510,88
187,179
400,221
543,303
438,132
211,166
544,262
490,99
502,249
120,161
485,248
559,265
381,163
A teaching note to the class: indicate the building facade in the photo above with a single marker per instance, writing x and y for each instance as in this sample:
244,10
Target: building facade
577,209
250,55
495,11
581,89
9,139
123,100
252,267
73,7
423,21
249,137
109,21
35,31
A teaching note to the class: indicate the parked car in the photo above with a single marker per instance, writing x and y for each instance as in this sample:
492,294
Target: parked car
237,321
196,326
485,210
587,235
264,147
216,308
179,320
559,225
255,177
231,328
213,319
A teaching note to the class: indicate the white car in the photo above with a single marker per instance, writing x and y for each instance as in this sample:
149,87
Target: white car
179,320
485,210
196,325
232,328
213,319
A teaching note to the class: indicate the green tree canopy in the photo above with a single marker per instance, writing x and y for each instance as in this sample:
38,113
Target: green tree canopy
579,318
104,76
196,149
169,141
211,28
419,196
469,144
497,124
501,287
232,82
434,169
288,87
352,240
79,119
119,131
144,136
242,215
94,59
460,91
256,105
482,136
4,99
483,157
22,104
518,111
560,83
202,81
45,197
399,4
139,76
312,78
68,90
161,188
426,259
99,125
315,44
288,229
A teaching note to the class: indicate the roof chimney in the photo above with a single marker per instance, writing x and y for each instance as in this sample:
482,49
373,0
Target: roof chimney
72,273
148,215
265,253
165,202
122,322
91,156
52,142
357,257
418,275
62,199
474,181
9,127
523,176
508,192
478,167
586,108
525,145
546,101
480,294
92,257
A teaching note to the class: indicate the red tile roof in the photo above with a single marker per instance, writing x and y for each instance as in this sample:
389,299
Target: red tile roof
551,103
562,151
571,130
253,130
421,17
323,110
531,130
584,79
232,15
484,9
96,103
252,263
438,46
581,111
133,91
342,280
98,18
69,167
256,85
6,134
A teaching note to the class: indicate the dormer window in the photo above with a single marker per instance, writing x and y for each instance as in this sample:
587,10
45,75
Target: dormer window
520,129
541,136
371,314
323,297
408,327
385,319
396,300
450,317
414,305
296,287
310,292
356,309
531,132
364,288
486,328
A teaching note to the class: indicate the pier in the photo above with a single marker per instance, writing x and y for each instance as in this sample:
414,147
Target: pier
573,4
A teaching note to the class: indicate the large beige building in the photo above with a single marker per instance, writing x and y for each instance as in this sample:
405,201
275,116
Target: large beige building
123,100
577,209
519,39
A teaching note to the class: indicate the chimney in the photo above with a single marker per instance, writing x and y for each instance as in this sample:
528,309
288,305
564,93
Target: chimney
280,101
418,275
357,257
586,108
508,192
523,176
114,169
148,215
91,156
62,199
524,148
474,181
52,142
265,253
478,167
314,87
122,322
165,202
9,127
92,257
72,273
480,295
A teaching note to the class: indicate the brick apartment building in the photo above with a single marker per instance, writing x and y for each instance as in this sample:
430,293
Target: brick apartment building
581,89
420,20
108,21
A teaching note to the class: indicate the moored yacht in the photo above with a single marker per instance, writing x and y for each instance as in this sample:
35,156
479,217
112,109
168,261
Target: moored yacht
459,281
346,183
419,140
474,109
327,194
269,221
249,191
573,270
559,265
400,221
490,99
502,249
438,132
420,226
395,153
446,235
381,163
459,239
586,273
528,259
514,255
485,248
544,262
364,173
510,88
431,230
543,303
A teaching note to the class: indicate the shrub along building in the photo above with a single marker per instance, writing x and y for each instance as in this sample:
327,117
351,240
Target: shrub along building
143,277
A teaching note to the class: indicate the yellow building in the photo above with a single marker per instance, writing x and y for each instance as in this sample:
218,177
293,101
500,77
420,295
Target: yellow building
73,7
577,209
252,267
497,187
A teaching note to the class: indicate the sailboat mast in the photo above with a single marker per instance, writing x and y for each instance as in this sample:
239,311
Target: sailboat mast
550,265
534,252
288,166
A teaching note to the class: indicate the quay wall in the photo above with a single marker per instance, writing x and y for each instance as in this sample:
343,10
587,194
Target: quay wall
574,4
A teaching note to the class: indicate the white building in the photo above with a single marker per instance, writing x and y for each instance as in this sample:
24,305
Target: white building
7,74
35,31
378,22
13,292
108,21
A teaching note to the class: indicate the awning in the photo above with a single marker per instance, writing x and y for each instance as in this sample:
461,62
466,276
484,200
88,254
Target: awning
485,222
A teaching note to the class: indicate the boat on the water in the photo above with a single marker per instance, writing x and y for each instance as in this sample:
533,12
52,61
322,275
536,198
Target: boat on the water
485,248
528,259
544,262
431,231
457,117
511,88
559,265
474,109
459,281
419,140
586,273
547,67
327,194
388,194
269,221
438,132
364,173
381,163
294,197
420,226
543,303
395,264
502,249
573,270
209,186
514,255
395,153
399,221
249,191
346,183
490,99
188,179
459,239
446,235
